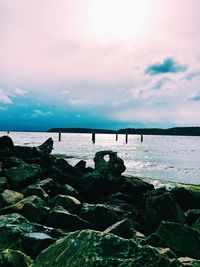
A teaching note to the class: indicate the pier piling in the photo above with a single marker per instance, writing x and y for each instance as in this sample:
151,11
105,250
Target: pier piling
126,138
59,136
116,137
141,138
93,137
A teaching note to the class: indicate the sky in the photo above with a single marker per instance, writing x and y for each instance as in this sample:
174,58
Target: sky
106,64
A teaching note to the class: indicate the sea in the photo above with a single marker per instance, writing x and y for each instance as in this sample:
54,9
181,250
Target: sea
159,159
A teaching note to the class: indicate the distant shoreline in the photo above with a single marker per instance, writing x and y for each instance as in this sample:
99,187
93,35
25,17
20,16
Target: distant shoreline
180,131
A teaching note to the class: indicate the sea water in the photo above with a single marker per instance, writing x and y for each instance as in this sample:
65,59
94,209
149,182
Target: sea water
165,158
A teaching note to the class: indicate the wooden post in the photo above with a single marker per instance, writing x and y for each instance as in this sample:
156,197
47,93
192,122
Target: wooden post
116,137
141,138
93,137
126,138
59,136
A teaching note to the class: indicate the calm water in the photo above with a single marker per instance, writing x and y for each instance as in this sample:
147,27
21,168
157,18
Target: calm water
168,158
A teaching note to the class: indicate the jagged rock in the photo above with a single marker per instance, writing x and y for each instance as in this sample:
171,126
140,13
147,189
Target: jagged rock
69,203
100,215
6,143
196,224
36,190
162,208
89,248
47,146
3,184
181,239
113,166
10,197
43,160
187,199
14,258
122,228
23,175
30,238
49,186
33,208
60,218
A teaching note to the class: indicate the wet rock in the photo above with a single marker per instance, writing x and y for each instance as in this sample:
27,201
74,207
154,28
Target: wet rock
33,208
69,203
9,162
81,166
113,165
181,239
100,215
192,216
14,258
89,248
162,208
187,199
23,175
49,186
62,219
10,197
20,234
70,191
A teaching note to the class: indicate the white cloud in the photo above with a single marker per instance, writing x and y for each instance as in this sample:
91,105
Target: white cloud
77,102
65,92
4,99
21,92
39,113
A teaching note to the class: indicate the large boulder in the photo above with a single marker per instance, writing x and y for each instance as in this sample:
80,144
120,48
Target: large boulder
47,146
33,208
14,258
6,143
113,165
122,228
181,239
23,175
61,218
162,208
20,234
89,248
35,189
3,184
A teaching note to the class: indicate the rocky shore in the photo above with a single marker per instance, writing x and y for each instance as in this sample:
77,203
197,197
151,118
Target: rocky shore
53,214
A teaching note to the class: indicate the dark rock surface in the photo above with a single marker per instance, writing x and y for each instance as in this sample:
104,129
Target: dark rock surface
104,218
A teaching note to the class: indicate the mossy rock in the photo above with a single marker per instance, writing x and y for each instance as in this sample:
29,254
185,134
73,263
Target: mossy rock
14,258
89,248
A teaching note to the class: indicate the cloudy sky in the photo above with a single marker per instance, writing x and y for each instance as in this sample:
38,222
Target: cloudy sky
99,63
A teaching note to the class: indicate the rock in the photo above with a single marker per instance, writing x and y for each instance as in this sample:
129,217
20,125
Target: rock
23,175
181,239
135,187
18,233
60,218
6,143
113,166
162,208
10,197
189,262
9,162
69,203
47,146
43,160
89,248
49,186
122,228
36,190
192,216
187,199
33,208
14,258
70,191
196,225
100,215
3,184
81,166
